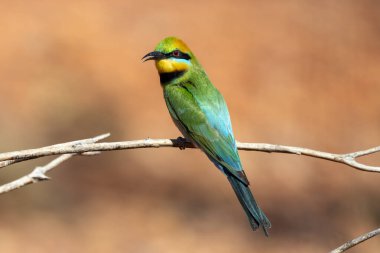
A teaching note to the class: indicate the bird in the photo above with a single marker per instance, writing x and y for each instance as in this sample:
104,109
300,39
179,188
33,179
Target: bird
200,113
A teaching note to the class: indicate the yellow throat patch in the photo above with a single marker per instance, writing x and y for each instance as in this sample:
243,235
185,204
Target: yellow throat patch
171,65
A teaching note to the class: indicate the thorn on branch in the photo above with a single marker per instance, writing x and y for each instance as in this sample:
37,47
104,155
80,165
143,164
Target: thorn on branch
38,175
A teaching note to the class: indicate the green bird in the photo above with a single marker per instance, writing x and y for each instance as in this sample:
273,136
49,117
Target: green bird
200,113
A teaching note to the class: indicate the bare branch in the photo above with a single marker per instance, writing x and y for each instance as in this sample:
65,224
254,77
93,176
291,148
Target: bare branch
348,159
81,147
7,162
356,241
39,173
89,147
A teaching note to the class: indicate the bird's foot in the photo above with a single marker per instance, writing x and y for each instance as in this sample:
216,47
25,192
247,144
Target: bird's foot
181,143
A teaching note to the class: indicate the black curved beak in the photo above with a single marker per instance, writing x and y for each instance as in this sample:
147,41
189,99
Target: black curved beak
155,55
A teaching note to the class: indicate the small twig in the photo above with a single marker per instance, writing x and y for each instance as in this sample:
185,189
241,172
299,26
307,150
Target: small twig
39,173
356,241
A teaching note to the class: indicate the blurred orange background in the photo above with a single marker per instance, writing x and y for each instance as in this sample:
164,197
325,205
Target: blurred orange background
302,73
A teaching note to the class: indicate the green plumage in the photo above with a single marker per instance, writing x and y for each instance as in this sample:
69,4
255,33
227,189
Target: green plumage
200,112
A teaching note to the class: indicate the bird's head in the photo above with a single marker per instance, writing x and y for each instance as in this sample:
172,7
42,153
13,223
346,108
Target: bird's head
172,56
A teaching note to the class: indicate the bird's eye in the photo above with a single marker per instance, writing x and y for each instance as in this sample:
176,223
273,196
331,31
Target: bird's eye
175,53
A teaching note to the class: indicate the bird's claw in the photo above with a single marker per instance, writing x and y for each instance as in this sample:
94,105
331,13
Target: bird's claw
181,142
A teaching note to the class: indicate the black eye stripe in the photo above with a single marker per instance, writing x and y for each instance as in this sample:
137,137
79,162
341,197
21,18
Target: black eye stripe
180,55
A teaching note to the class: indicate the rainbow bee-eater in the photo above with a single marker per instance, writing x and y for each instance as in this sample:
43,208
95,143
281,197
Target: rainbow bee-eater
200,113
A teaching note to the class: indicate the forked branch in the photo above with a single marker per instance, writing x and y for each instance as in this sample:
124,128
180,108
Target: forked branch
81,147
39,173
89,147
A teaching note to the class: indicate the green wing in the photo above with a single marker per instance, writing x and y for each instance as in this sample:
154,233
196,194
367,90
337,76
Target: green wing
206,122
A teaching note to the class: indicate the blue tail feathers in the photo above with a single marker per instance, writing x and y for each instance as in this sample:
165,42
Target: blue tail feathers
255,215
